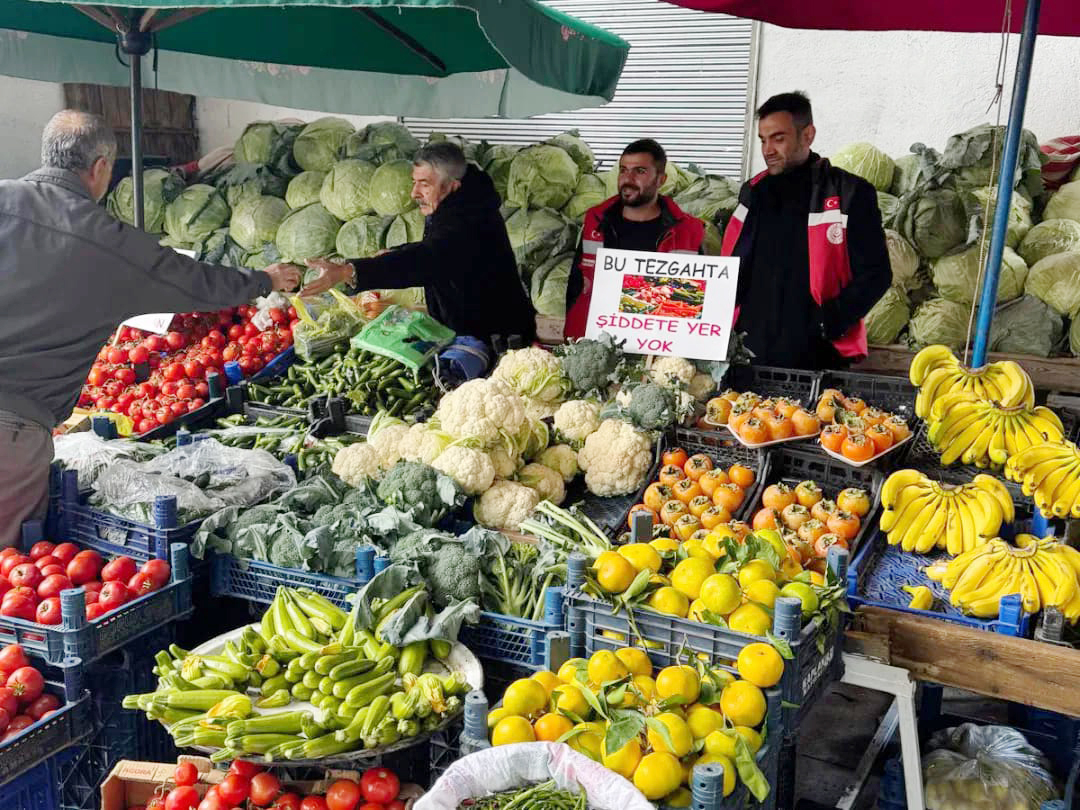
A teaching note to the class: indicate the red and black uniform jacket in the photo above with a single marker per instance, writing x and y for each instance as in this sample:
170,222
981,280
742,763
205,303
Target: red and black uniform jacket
848,259
682,234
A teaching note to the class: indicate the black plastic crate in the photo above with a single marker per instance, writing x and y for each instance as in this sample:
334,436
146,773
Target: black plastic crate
893,394
612,513
772,381
725,450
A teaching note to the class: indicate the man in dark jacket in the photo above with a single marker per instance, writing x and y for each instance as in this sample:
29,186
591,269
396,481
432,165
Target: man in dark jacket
814,258
464,262
69,274
638,218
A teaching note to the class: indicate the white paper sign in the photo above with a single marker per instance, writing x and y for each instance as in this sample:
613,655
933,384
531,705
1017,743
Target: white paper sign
675,304
157,322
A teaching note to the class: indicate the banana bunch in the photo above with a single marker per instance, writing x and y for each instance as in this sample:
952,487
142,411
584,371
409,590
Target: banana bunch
1051,472
936,371
965,427
920,514
1044,572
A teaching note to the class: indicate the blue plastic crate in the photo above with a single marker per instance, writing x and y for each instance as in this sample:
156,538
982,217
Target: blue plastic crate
35,789
276,367
444,749
258,581
772,381
513,640
724,450
75,637
878,570
67,726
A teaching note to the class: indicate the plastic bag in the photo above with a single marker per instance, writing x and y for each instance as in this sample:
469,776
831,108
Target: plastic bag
507,767
985,768
274,300
89,454
315,336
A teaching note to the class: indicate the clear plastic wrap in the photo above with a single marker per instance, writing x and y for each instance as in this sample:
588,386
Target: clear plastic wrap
274,300
205,476
985,768
89,454
316,335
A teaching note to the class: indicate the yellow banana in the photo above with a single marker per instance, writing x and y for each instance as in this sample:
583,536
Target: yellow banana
1071,556
897,482
1017,388
1046,584
997,452
987,514
922,598
952,449
938,382
935,572
1067,500
995,487
974,574
1063,577
1045,489
933,532
976,453
1047,422
1001,582
1029,589
926,360
955,568
892,518
952,403
968,537
909,531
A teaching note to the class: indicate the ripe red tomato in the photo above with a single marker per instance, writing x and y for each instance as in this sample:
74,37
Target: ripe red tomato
43,705
344,794
213,801
41,563
8,702
185,774
91,597
178,408
158,570
83,569
243,768
26,683
250,329
65,552
125,375
194,369
48,611
235,331
182,798
11,561
175,340
97,376
379,785
265,787
313,803
174,372
121,569
95,611
52,585
42,548
116,355
277,315
146,425
26,575
186,391
5,586
17,724
147,389
234,788
113,595
140,354
141,584
286,801
18,605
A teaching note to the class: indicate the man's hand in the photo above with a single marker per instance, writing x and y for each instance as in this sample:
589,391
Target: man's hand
285,277
330,273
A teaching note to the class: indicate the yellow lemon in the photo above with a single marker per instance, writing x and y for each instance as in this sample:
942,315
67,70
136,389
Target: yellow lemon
604,666
805,594
624,761
697,611
546,679
669,601
729,769
678,680
665,544
743,704
657,775
636,661
570,698
614,572
760,664
646,685
703,721
495,715
642,556
721,743
568,671
525,696
551,726
513,729
755,570
713,544
721,594
764,592
681,738
697,551
753,738
690,574
588,741
774,539
680,797
750,618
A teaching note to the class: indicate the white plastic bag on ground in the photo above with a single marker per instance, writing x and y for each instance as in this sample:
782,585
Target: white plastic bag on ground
507,767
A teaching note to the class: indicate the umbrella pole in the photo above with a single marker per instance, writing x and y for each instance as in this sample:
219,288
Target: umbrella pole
136,44
988,295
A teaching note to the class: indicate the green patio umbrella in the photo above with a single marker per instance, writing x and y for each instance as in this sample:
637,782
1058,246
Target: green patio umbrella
424,58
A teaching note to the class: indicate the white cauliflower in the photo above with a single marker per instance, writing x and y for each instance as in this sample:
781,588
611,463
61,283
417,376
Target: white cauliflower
701,386
505,464
505,505
423,443
532,372
616,459
409,444
356,463
623,397
562,459
671,372
387,442
471,469
537,409
546,481
482,409
576,419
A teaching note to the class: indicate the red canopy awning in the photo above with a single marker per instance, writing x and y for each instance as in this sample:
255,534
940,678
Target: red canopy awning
1057,18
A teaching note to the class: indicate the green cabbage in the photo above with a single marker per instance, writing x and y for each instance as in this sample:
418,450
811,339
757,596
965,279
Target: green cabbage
468,147
710,197
888,317
577,149
980,205
267,143
1026,326
887,205
195,214
1049,237
319,143
536,235
906,175
362,237
939,321
973,159
1064,203
589,192
250,180
409,227
304,189
346,191
548,285
867,161
391,188
255,221
542,177
160,187
497,161
933,221
403,144
307,233
903,259
1056,280
956,275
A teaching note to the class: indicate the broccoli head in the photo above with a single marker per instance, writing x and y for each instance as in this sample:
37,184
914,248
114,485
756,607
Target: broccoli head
453,575
591,365
652,407
415,544
419,489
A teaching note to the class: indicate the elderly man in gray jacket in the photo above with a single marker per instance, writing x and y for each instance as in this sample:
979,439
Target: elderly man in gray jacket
69,274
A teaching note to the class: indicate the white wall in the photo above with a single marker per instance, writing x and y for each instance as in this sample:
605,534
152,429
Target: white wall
898,88
221,121
25,108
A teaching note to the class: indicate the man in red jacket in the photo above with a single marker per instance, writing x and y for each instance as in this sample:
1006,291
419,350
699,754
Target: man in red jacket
638,218
813,254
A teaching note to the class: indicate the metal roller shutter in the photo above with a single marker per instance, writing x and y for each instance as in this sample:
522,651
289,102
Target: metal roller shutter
686,84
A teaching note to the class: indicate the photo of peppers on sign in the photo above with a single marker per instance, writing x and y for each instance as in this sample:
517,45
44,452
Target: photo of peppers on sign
661,295
678,304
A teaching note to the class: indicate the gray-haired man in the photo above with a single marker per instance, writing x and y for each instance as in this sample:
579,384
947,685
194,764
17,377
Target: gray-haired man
464,262
69,274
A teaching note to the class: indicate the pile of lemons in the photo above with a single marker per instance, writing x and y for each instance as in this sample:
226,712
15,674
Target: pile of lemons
556,707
